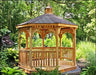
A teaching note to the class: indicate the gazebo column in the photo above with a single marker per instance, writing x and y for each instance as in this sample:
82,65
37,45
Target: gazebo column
42,36
74,47
60,36
30,55
26,41
19,45
43,42
56,34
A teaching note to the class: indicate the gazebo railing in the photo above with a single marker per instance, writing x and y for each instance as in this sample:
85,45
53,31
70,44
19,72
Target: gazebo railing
24,58
66,54
40,57
45,56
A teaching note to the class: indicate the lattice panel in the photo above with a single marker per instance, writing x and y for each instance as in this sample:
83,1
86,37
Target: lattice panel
66,53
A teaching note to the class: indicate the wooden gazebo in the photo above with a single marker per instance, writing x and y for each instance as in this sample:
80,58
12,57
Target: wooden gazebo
47,58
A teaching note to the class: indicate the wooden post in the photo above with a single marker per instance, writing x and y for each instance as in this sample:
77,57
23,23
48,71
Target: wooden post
26,48
30,55
60,36
74,47
56,34
43,43
43,36
60,49
26,41
42,55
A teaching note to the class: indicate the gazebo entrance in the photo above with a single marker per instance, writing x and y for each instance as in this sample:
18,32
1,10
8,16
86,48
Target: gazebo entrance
48,58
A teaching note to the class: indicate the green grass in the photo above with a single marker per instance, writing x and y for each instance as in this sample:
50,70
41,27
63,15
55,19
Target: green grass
86,50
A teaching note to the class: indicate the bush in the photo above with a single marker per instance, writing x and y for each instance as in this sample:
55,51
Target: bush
12,71
37,42
86,50
12,54
9,57
3,59
50,42
42,72
89,71
66,41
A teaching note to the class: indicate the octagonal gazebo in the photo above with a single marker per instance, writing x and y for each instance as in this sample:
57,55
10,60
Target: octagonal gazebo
47,57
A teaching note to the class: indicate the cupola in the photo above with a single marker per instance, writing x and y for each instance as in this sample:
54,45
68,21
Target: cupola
48,10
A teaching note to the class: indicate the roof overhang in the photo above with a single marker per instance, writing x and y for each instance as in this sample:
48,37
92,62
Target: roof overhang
47,24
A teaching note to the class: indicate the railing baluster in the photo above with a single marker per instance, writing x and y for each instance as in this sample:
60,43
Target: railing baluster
36,59
48,59
44,59
39,58
54,60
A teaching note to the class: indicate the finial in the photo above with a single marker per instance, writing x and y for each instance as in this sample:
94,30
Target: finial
48,9
48,4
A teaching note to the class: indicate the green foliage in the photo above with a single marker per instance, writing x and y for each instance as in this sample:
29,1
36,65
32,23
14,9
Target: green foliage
3,58
37,41
86,50
90,71
66,42
50,42
4,31
12,54
23,40
42,72
12,71
9,57
82,14
14,38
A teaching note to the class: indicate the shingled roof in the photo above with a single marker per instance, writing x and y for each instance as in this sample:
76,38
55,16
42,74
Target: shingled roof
47,18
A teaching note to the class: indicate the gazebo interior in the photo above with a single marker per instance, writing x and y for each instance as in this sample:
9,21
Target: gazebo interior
47,58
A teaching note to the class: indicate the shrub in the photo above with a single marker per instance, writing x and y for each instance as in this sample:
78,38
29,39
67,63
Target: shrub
37,42
89,71
12,54
8,57
23,40
50,42
42,72
66,42
12,71
86,50
3,58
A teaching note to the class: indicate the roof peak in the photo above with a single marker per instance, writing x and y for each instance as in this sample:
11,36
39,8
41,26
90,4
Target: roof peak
48,9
